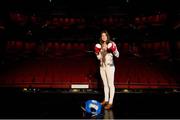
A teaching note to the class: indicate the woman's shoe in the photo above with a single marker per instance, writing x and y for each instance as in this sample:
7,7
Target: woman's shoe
103,103
108,106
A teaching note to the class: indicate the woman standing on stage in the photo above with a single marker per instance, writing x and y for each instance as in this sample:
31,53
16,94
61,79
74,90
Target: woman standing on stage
105,50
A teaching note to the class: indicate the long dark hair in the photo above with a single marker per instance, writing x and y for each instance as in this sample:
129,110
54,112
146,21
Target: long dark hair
108,37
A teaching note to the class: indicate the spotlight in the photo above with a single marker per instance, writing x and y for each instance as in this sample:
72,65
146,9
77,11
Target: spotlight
175,90
24,89
34,89
126,90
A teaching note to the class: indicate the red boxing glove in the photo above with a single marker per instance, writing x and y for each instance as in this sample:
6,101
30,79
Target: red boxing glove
112,47
97,48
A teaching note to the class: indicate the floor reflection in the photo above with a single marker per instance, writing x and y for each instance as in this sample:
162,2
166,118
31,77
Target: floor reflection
105,114
108,114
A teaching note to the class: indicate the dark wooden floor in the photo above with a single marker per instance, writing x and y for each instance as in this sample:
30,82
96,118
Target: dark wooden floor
56,104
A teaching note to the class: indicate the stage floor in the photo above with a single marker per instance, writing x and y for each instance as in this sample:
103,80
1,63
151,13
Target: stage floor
30,105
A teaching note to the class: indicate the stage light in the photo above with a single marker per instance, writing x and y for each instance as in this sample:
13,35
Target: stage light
34,89
75,90
175,90
126,90
24,89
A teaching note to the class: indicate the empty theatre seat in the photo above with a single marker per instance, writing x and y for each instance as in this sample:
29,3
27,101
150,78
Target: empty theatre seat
149,45
125,47
178,48
156,46
178,45
75,46
11,44
14,48
69,46
49,45
82,46
56,45
19,45
29,47
62,45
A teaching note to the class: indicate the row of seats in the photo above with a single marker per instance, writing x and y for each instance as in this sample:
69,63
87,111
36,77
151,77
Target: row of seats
68,45
146,49
137,73
63,72
55,45
59,73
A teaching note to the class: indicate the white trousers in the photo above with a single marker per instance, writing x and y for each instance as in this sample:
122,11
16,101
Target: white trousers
107,75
